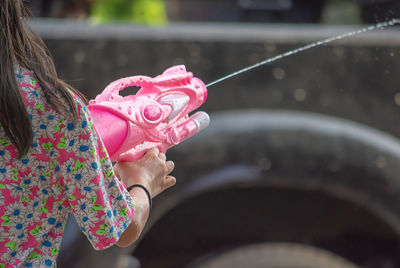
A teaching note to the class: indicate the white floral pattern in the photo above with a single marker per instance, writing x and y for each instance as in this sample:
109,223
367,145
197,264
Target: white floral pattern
67,170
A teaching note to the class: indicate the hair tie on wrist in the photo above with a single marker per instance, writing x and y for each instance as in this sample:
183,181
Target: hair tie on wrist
129,188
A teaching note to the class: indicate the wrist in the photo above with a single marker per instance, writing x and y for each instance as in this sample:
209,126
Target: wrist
137,179
141,186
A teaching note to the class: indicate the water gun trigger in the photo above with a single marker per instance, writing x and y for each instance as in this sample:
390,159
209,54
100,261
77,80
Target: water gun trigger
156,116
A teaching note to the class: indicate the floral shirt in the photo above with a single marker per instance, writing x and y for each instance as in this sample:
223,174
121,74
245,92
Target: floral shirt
66,171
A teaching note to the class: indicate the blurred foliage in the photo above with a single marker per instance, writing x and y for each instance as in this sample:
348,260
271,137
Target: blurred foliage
138,11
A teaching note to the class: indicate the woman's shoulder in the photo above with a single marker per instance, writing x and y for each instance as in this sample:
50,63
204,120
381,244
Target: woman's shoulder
26,80
31,89
38,108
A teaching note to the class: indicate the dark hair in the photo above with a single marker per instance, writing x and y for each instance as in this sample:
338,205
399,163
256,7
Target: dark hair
20,45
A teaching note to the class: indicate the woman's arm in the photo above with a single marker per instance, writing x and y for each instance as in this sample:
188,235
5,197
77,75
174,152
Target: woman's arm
142,211
152,173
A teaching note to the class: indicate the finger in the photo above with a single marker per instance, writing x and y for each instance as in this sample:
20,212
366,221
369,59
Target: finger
162,156
154,151
170,166
151,154
170,181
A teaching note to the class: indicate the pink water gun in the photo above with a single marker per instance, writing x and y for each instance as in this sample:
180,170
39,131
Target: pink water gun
156,116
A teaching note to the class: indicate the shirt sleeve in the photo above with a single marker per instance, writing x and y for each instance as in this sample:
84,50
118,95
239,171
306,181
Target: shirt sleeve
97,198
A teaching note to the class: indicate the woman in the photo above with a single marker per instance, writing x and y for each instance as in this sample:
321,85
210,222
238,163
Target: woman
53,163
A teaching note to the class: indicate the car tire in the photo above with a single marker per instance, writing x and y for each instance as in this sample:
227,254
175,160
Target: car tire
272,255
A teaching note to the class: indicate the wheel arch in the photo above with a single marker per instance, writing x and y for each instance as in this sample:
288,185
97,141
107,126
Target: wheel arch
338,159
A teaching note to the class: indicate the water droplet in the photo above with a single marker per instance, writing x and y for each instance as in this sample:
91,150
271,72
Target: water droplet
397,98
270,47
338,51
279,73
79,56
380,162
300,94
264,163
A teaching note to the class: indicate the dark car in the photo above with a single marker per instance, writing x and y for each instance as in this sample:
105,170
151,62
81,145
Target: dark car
290,11
300,165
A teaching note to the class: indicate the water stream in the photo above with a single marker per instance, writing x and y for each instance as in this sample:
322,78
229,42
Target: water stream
309,46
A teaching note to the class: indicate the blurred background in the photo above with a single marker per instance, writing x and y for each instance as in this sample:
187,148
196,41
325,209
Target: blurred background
300,165
161,11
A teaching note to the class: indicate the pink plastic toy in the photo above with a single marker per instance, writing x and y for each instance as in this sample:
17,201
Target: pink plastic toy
157,116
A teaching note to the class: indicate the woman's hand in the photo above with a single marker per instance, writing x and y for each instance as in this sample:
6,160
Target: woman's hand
152,171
